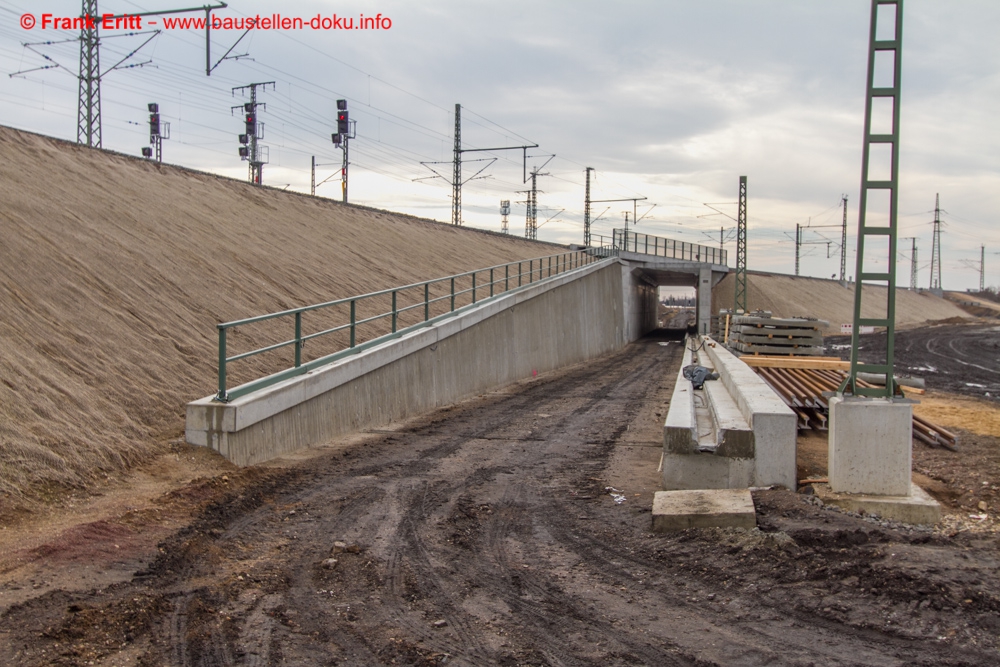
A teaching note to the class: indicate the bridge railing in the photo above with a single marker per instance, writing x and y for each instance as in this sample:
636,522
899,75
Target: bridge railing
347,326
664,247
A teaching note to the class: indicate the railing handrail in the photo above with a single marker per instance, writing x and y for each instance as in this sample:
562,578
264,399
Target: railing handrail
569,261
622,241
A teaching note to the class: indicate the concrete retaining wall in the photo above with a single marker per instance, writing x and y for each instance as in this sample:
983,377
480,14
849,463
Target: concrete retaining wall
568,319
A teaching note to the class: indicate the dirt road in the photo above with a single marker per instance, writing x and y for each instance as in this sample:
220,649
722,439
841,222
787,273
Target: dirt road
487,534
960,358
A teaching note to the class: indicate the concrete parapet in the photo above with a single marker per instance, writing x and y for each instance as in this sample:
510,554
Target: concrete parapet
773,423
570,318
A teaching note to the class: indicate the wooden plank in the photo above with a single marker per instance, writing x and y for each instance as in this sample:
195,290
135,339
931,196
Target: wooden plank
797,362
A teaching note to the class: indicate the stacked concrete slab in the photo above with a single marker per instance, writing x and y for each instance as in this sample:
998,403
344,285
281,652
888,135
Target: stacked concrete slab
772,335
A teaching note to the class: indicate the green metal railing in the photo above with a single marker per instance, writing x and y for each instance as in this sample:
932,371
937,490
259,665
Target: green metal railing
658,246
499,280
664,247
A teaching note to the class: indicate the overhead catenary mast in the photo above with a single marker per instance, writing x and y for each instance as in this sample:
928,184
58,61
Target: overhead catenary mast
586,210
740,301
456,181
843,243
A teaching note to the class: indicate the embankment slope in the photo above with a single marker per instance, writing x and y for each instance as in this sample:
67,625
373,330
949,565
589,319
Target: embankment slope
114,272
795,296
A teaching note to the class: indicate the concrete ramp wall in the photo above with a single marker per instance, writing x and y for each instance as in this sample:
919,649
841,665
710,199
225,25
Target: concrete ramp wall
567,319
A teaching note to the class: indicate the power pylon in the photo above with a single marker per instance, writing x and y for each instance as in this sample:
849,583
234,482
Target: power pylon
843,243
740,301
586,210
936,246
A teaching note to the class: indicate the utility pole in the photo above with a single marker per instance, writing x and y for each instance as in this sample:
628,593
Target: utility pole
586,210
936,246
346,130
798,244
843,243
504,213
255,154
312,178
982,268
456,179
913,261
531,214
740,302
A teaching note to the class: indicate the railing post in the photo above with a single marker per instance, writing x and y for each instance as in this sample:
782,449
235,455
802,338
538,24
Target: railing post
473,287
394,311
531,271
453,295
353,320
550,267
647,244
298,339
221,396
427,301
491,282
506,277
519,272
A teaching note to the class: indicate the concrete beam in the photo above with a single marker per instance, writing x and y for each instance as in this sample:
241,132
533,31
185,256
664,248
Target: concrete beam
773,423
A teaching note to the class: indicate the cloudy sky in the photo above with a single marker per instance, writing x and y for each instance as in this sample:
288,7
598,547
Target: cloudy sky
668,100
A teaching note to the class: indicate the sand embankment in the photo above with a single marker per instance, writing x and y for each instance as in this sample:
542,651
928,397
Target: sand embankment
799,296
114,272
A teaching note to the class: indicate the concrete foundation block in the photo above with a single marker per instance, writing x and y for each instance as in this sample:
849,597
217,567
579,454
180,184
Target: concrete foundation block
870,446
711,508
704,470
916,508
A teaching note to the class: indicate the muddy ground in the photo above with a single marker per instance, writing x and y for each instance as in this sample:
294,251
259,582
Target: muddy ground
958,358
487,534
